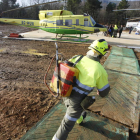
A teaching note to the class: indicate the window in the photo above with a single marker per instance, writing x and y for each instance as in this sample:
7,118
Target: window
86,22
59,22
77,22
68,22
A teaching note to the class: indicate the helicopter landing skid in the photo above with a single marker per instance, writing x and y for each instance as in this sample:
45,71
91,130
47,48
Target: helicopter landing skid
74,36
69,38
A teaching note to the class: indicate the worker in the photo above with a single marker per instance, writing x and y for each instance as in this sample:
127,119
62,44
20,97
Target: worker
115,31
130,30
110,30
120,31
91,74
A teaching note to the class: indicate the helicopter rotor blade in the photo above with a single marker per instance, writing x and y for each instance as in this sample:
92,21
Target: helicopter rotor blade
125,9
29,6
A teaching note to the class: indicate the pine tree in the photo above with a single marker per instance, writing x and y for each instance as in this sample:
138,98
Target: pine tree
7,5
109,16
110,7
92,7
123,4
73,5
121,15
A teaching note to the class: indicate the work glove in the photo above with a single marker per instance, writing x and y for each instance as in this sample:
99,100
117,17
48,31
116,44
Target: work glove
88,101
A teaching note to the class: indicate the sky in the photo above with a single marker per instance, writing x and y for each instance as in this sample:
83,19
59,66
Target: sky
19,1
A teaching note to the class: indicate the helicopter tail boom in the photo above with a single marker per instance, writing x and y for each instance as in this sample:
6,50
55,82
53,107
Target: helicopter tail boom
21,22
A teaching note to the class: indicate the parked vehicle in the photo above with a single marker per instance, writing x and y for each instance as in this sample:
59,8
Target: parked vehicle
133,23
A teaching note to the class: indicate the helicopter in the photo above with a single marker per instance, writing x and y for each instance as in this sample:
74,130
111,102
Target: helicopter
61,22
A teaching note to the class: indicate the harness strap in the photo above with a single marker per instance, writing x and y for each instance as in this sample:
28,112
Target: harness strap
62,79
78,59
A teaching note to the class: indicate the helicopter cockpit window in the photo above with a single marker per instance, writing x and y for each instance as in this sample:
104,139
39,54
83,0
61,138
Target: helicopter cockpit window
59,22
86,22
93,22
68,22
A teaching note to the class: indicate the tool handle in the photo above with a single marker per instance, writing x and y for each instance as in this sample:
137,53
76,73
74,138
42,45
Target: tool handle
57,68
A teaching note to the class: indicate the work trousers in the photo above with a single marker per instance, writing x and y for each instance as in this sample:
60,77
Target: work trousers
115,33
120,34
73,113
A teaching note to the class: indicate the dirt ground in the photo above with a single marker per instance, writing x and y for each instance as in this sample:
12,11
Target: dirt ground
24,99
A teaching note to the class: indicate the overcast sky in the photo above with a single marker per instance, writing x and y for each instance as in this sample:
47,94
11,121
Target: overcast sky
19,1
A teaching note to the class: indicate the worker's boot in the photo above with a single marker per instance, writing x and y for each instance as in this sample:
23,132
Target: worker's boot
82,117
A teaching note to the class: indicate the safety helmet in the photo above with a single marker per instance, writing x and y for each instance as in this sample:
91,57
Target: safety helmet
101,46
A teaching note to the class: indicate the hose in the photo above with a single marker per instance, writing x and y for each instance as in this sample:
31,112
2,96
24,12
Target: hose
47,73
46,76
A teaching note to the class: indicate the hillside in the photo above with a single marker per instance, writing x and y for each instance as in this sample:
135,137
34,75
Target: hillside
133,4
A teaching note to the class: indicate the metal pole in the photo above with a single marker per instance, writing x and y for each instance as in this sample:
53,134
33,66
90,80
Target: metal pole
57,70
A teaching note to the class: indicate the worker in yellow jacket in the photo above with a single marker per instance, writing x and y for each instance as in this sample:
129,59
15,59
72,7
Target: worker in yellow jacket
91,75
115,31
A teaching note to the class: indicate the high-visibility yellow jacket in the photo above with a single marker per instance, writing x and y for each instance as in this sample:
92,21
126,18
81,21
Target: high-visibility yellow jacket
91,74
115,28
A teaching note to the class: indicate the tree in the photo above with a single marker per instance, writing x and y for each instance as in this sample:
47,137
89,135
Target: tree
110,7
133,13
109,16
7,5
92,7
73,5
33,12
121,15
123,4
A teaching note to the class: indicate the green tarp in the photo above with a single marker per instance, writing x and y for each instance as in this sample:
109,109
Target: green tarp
123,102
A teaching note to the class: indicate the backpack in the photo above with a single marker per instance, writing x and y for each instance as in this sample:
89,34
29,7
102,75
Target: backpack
109,30
67,77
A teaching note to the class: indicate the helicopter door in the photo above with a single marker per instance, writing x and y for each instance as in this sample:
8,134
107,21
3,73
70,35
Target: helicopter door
59,25
69,24
85,21
77,25
87,25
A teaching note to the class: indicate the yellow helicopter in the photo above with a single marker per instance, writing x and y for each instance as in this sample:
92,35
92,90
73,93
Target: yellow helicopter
60,22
